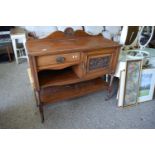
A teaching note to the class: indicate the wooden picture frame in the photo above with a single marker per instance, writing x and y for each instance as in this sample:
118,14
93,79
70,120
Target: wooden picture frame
147,85
132,81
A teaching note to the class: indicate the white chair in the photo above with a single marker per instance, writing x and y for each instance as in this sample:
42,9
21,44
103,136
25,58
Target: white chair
19,46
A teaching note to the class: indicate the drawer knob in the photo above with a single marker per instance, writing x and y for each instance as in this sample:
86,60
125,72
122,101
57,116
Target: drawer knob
60,59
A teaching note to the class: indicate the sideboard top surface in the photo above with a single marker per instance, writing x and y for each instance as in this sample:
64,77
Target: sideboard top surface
52,46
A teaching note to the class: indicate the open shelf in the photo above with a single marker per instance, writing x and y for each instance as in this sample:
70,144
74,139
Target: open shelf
59,93
57,77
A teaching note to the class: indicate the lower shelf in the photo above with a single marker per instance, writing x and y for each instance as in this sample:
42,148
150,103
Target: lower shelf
59,93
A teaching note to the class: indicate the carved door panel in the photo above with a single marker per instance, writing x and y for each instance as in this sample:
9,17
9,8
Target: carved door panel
100,62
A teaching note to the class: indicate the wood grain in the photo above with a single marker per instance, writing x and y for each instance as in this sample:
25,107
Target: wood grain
61,69
71,91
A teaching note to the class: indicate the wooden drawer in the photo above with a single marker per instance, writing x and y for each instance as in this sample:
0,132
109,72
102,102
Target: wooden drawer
57,61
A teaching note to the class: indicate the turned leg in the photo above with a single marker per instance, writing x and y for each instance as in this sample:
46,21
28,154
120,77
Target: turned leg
111,84
110,89
8,51
41,112
107,77
36,94
39,104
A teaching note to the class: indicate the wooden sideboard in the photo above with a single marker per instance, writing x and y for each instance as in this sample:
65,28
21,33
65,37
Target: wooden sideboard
69,64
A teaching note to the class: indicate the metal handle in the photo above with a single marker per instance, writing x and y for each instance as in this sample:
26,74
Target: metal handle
60,59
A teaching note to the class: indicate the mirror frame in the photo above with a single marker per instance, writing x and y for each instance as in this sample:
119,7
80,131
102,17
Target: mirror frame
139,37
126,35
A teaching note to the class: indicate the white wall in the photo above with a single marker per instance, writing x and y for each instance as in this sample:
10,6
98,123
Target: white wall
112,32
40,31
43,31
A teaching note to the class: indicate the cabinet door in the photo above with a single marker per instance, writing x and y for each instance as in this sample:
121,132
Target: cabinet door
98,62
101,62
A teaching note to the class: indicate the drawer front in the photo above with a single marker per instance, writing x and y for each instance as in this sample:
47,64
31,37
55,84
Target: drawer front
58,60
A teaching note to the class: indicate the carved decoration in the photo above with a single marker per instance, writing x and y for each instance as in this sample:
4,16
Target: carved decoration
69,32
100,62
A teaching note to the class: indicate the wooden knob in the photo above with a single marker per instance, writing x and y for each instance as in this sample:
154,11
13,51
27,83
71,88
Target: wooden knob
60,59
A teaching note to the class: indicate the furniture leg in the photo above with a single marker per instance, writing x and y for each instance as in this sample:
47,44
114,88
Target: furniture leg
110,94
10,48
15,50
26,51
41,112
8,51
36,97
40,107
107,77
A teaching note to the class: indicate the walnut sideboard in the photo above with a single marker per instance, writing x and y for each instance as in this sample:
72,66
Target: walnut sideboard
69,64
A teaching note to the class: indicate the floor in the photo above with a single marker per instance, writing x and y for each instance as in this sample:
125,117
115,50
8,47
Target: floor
18,108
